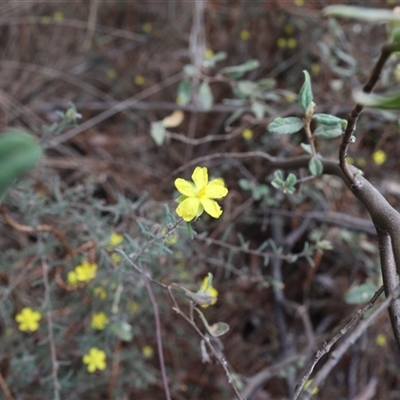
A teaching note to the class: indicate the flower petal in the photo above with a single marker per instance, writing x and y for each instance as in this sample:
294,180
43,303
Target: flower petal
185,187
216,189
188,208
200,177
211,207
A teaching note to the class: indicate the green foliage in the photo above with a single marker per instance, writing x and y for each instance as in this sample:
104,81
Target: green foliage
305,94
19,153
360,294
206,97
387,101
285,126
315,166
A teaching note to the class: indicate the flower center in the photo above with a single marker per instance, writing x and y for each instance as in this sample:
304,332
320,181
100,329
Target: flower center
202,192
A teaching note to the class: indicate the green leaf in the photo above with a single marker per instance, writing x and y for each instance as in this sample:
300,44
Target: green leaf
330,120
315,166
360,13
237,71
306,95
245,184
388,101
306,147
258,109
361,293
267,83
158,132
20,153
210,62
329,132
215,330
233,117
247,88
260,191
206,97
122,330
184,93
286,125
291,180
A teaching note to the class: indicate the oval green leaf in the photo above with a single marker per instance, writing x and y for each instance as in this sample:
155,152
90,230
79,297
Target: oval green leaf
206,97
388,101
331,120
285,126
329,132
315,166
361,293
306,95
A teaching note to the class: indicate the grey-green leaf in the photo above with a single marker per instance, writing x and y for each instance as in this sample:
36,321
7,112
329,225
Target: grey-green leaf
306,147
284,126
330,120
315,166
329,132
306,95
388,101
237,71
361,293
291,180
258,109
206,97
158,132
184,92
360,13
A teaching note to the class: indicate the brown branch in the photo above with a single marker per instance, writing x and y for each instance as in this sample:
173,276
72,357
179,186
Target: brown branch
352,119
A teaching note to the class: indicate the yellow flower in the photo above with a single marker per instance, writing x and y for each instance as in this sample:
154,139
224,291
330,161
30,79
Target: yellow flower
86,271
133,306
245,34
45,20
147,27
100,292
299,3
147,351
208,53
380,340
95,359
115,239
58,16
116,258
28,319
247,134
281,43
99,321
308,383
379,157
315,68
288,29
291,43
72,279
208,288
138,80
198,196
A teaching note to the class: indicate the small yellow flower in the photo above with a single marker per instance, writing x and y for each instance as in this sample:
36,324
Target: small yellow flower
95,359
28,319
85,272
381,340
58,16
247,134
281,42
315,68
99,321
209,289
199,195
288,29
147,27
390,1
245,34
45,20
308,383
147,351
361,162
138,80
133,306
100,292
115,239
299,3
208,53
290,97
291,43
116,258
111,73
72,279
379,157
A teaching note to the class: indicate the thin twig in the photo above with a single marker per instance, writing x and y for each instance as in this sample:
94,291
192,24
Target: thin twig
327,346
47,305
158,337
5,389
